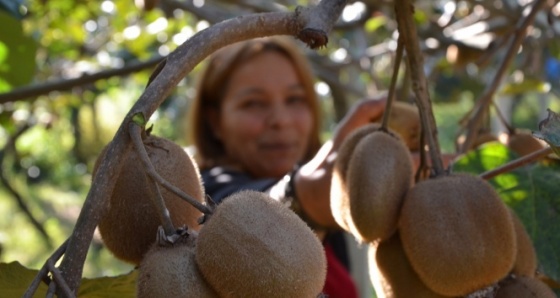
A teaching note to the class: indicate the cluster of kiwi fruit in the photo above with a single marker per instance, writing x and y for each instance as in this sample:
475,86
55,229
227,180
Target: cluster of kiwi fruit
249,246
446,236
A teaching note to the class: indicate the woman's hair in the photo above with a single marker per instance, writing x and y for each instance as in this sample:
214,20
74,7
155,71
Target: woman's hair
214,81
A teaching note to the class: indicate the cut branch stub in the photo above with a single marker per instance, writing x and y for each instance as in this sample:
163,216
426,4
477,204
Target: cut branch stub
313,38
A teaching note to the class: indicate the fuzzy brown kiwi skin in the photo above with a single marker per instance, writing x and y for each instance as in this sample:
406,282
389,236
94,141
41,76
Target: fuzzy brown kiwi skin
380,172
339,191
171,271
524,287
526,258
523,143
457,234
391,273
253,246
405,121
130,226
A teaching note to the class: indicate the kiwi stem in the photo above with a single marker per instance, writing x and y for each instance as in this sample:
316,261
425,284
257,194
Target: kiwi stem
514,164
136,136
165,218
43,273
486,98
392,86
156,196
60,282
421,171
407,30
509,128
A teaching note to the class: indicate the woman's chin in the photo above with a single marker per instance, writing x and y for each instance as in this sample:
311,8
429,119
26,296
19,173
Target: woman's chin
278,171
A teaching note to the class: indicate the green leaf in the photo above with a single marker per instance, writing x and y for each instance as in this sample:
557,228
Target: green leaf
533,192
549,130
17,53
109,287
15,279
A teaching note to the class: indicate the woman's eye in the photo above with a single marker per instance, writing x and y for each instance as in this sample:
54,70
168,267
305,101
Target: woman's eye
296,99
253,103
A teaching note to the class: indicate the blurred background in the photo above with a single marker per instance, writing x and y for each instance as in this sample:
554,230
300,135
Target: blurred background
71,69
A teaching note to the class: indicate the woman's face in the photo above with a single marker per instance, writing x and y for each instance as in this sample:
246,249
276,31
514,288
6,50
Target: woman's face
264,120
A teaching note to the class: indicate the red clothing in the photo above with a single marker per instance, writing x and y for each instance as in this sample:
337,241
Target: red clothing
339,283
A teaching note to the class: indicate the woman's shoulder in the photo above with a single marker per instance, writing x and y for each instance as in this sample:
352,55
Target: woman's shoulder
220,182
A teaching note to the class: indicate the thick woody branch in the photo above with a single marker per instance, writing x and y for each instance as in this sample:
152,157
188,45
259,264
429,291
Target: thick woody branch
180,63
407,31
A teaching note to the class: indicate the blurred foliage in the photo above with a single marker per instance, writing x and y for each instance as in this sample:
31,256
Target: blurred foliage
50,161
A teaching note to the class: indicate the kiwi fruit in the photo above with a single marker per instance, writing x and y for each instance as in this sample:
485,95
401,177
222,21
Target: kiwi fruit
524,287
404,119
130,225
253,246
379,174
523,143
392,275
171,271
482,138
526,258
457,234
340,203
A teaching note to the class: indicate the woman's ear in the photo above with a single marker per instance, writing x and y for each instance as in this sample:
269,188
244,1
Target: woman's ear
214,121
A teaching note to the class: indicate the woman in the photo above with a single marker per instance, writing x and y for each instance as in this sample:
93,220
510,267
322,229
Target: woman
255,125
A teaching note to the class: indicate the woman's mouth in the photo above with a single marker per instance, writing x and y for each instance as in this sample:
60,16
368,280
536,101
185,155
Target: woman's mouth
277,147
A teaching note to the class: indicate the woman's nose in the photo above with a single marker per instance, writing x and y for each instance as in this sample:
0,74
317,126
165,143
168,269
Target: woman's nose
279,115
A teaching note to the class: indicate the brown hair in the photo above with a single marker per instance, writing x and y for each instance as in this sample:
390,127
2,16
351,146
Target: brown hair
213,83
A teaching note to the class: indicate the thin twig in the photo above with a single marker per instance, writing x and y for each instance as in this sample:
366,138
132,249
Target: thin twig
407,29
12,190
51,291
159,203
485,99
30,93
166,222
514,164
43,273
135,134
502,119
392,86
59,280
